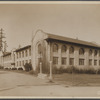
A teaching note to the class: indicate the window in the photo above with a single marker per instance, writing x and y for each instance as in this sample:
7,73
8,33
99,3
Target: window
63,61
55,60
26,61
90,61
99,62
39,49
30,51
26,52
22,53
30,61
19,54
55,48
23,62
71,50
20,63
95,53
81,51
71,61
99,53
95,62
81,61
90,52
63,49
17,63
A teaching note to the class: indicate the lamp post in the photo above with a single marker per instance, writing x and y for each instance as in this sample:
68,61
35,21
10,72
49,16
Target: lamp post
50,78
72,75
40,67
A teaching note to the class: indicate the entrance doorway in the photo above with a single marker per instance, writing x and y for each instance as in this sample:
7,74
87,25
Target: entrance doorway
40,52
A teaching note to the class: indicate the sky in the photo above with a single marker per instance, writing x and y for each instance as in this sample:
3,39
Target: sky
20,21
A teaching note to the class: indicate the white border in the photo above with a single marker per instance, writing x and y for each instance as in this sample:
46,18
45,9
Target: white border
49,2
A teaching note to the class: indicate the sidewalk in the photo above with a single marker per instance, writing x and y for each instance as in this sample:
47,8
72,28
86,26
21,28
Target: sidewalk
51,91
17,84
9,80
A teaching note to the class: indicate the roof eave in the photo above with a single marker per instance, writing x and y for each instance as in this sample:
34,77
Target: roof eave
49,39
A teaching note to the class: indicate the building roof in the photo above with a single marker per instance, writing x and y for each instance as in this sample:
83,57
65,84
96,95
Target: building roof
71,40
6,54
23,48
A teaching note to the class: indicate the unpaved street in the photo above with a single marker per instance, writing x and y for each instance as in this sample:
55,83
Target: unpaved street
22,85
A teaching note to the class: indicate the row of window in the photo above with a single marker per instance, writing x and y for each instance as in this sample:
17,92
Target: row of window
71,50
23,54
7,58
71,61
22,63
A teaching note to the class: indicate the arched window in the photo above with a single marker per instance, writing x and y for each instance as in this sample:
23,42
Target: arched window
63,49
26,53
90,52
55,48
39,48
99,52
30,51
22,53
81,51
71,50
95,53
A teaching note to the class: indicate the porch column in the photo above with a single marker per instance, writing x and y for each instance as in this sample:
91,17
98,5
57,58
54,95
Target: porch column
86,57
59,57
67,55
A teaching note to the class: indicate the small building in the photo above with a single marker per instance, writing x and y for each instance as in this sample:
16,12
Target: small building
7,60
63,52
22,56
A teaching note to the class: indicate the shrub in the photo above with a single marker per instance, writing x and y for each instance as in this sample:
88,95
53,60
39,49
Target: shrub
98,71
6,68
14,68
32,72
73,69
28,66
87,70
59,70
1,67
20,68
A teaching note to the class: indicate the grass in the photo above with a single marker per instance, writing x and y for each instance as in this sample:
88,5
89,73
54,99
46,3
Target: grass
78,79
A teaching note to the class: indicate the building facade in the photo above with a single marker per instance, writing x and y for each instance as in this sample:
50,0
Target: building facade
63,52
22,56
7,60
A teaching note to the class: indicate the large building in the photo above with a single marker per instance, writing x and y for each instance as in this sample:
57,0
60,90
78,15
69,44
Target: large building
63,52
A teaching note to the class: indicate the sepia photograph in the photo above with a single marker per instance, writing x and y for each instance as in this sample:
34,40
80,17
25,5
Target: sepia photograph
50,49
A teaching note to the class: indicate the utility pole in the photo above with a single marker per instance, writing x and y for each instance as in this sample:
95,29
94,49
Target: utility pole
1,41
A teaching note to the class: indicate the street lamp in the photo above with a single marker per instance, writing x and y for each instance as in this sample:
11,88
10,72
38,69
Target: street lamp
50,78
